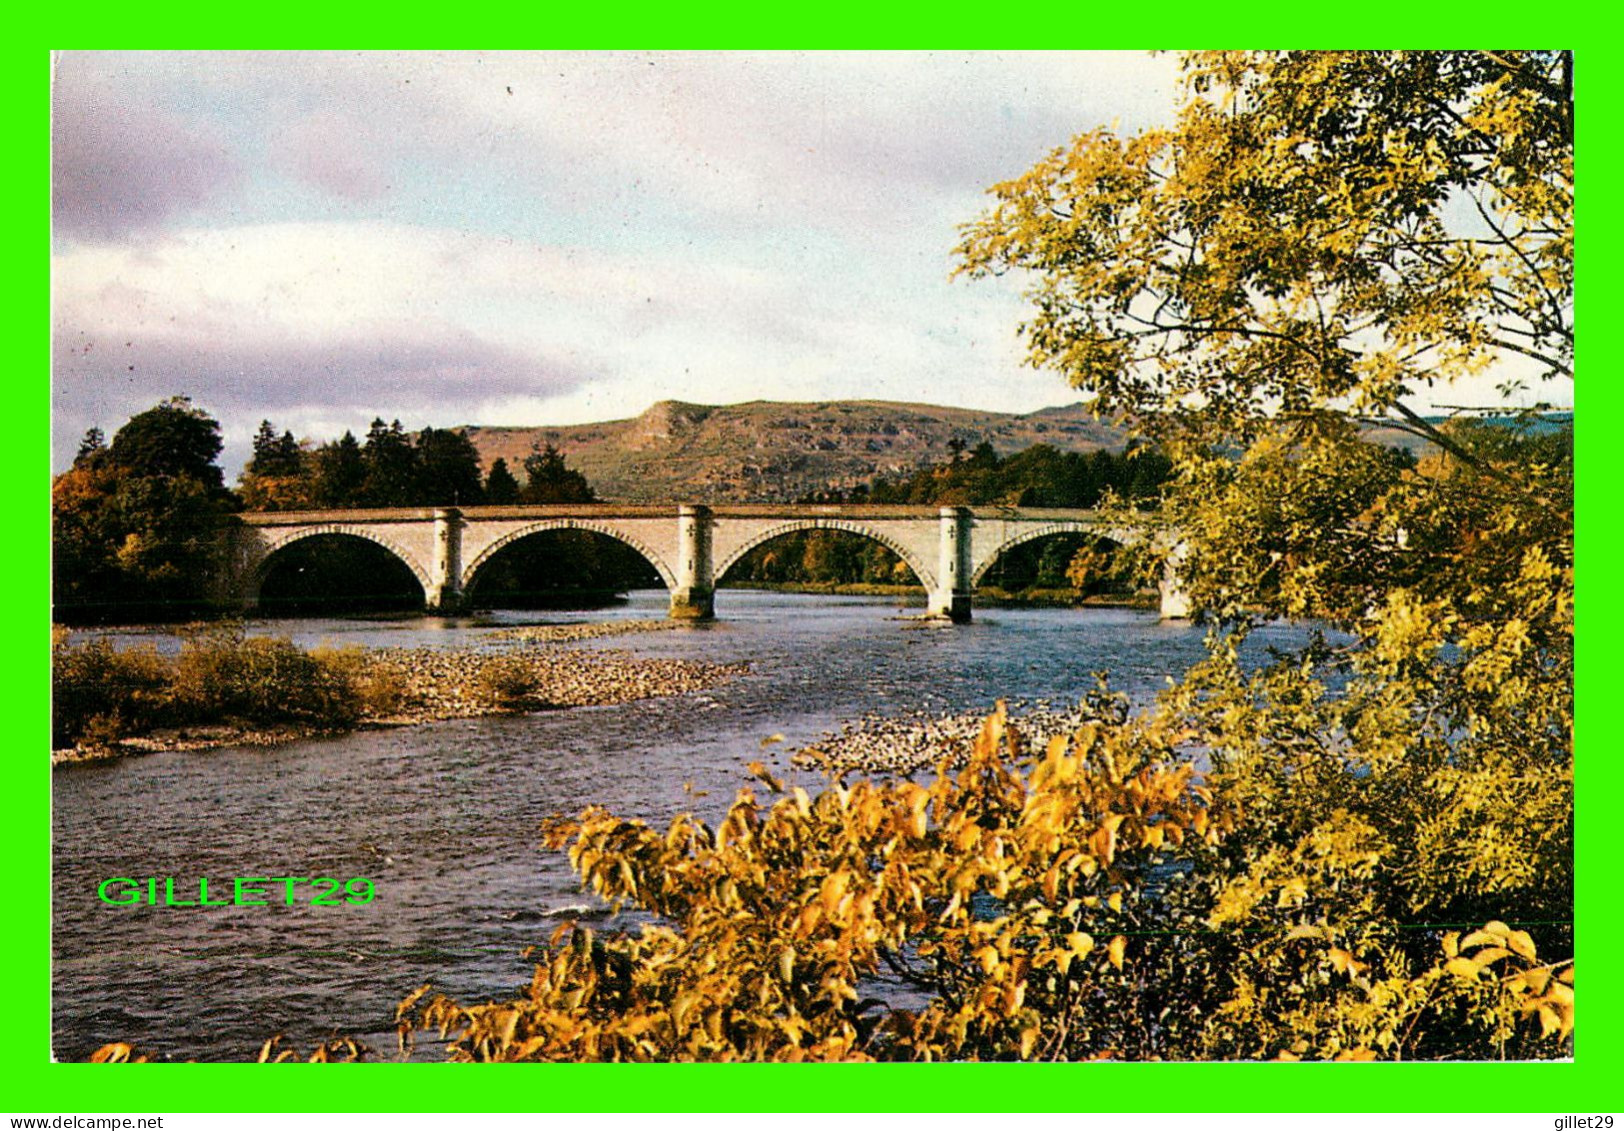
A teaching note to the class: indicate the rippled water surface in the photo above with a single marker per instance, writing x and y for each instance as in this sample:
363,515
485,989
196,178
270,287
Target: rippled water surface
444,817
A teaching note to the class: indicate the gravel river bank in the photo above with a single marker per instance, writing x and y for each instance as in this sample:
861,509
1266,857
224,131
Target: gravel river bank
516,671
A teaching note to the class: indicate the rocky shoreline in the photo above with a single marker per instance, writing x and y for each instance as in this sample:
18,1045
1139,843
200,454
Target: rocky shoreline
900,746
568,633
456,684
410,686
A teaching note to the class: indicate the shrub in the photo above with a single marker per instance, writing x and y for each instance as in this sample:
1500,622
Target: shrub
100,694
509,684
379,689
223,675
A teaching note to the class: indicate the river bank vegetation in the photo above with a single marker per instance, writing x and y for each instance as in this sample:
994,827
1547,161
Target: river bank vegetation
224,687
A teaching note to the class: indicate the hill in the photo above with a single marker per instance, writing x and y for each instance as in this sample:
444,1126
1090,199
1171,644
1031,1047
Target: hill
767,451
772,451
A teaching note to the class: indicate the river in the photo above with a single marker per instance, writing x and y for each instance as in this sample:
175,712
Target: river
444,817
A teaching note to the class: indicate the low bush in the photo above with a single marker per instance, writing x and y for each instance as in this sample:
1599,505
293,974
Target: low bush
507,683
100,694
223,675
380,690
228,676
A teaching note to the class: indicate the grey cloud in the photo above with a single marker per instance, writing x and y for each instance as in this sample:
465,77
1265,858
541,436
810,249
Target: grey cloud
786,205
120,165
422,380
337,153
706,142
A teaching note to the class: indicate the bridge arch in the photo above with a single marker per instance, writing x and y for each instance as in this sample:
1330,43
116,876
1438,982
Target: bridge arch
922,572
1046,530
262,567
471,570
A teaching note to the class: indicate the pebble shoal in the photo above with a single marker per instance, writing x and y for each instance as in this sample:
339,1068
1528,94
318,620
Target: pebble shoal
432,684
447,684
892,746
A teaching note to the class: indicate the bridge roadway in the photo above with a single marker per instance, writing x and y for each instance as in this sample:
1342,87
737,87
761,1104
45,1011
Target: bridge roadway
949,549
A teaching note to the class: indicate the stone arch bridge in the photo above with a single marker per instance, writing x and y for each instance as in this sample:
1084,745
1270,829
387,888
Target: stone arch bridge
949,549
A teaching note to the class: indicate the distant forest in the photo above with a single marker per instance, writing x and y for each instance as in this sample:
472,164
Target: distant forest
1040,476
436,467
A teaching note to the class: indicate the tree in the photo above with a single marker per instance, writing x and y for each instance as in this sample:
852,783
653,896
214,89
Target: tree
825,555
501,488
275,456
339,473
1325,235
983,457
436,467
264,443
174,438
135,529
90,448
1148,469
548,479
448,469
1039,476
1319,228
1294,245
277,476
391,466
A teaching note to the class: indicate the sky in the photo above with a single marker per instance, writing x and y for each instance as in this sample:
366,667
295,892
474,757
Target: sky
544,239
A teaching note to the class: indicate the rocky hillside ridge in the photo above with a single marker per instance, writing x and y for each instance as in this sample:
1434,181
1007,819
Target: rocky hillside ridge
768,451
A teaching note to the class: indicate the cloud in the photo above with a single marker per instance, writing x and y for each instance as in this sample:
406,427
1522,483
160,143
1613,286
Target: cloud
856,143
522,238
121,165
316,323
708,141
302,323
338,153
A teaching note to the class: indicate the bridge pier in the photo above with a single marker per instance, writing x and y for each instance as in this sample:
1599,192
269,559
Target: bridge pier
445,592
1175,602
951,600
694,597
